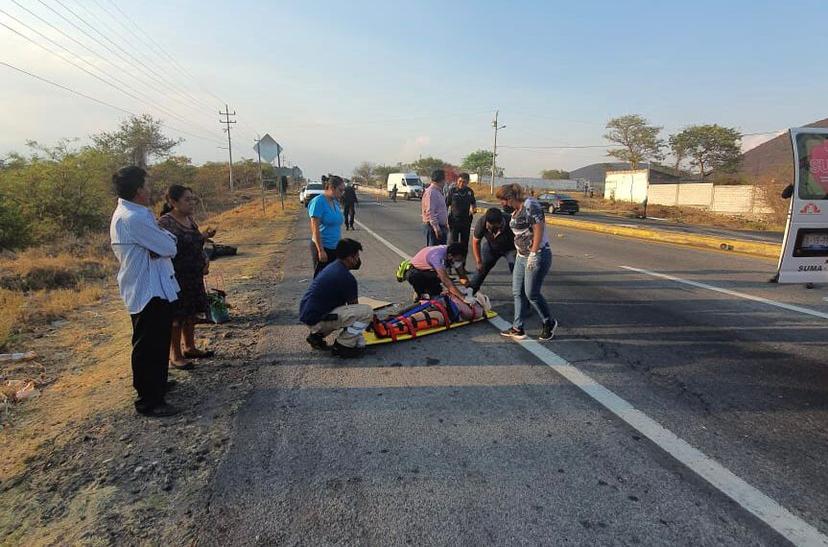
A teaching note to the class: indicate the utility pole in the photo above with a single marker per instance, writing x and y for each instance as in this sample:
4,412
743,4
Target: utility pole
227,121
494,149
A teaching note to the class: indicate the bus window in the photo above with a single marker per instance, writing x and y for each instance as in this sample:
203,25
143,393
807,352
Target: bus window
813,166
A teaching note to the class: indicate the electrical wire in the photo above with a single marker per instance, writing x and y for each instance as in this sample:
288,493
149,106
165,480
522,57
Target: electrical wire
99,78
103,77
94,99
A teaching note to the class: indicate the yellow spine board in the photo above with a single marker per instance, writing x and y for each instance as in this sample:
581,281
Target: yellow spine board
371,339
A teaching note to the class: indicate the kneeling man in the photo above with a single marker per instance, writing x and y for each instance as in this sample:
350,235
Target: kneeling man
330,304
429,270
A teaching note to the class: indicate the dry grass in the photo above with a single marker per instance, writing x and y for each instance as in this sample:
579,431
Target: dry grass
681,215
251,215
11,304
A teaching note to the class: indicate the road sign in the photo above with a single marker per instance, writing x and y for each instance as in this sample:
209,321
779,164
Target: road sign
268,148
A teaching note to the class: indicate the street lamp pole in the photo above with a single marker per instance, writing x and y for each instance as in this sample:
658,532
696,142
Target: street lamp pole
494,149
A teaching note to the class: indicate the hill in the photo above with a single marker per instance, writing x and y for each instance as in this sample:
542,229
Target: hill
772,160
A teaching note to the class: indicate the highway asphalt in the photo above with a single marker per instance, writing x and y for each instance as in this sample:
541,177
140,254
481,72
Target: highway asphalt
468,438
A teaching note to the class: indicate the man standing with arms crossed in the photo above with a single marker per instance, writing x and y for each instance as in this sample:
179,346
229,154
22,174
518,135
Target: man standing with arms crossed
461,207
434,211
147,283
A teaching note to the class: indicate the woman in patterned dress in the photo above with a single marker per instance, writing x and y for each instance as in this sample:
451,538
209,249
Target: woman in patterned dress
190,267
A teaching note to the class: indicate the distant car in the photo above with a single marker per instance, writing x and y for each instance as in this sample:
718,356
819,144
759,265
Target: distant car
559,203
309,192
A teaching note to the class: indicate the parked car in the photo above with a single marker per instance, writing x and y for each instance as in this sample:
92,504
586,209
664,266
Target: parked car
307,193
559,203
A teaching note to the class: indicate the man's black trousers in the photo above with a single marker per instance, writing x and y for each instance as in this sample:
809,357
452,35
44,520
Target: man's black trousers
151,331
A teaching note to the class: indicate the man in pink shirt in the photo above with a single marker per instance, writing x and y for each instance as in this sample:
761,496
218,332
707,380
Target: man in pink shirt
429,270
434,210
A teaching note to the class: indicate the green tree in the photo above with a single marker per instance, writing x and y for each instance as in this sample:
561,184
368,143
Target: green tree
425,166
555,174
479,162
364,172
136,141
679,146
381,171
637,139
14,233
711,148
60,190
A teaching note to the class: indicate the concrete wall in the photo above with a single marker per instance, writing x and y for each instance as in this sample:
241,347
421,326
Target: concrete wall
626,185
734,200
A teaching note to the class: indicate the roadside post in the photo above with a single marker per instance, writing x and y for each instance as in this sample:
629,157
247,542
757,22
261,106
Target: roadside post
268,149
804,257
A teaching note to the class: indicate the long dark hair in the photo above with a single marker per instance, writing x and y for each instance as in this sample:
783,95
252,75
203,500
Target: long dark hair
174,193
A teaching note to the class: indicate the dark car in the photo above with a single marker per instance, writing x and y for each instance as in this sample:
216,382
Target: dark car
559,203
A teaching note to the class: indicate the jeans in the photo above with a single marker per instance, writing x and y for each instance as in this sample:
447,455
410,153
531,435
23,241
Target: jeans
526,287
318,265
490,258
151,332
431,238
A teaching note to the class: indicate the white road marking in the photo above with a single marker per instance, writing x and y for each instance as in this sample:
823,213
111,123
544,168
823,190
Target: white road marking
794,529
789,307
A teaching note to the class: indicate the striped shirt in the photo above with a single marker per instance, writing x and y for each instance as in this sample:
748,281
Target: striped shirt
142,276
433,207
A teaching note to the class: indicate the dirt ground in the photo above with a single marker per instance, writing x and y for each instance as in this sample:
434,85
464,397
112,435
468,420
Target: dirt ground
79,465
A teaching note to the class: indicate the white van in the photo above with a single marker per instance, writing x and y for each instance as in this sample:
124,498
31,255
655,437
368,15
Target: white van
408,185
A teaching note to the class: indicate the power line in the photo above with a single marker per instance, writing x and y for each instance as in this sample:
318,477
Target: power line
94,99
228,122
97,77
186,103
127,53
93,38
162,50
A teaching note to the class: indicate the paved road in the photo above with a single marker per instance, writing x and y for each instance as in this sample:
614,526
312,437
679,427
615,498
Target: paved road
670,226
465,438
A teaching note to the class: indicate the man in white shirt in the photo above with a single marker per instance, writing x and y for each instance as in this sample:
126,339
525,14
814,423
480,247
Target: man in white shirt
147,283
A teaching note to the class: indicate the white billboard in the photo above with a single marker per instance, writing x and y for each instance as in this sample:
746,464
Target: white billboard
805,248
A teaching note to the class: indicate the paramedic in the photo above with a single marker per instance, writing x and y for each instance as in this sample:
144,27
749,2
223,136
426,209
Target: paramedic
429,270
331,304
492,240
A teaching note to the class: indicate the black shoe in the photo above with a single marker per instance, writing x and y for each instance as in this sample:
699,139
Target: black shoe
517,334
548,331
347,353
161,410
317,341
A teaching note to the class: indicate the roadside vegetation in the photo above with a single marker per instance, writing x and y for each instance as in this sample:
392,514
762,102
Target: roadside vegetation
55,205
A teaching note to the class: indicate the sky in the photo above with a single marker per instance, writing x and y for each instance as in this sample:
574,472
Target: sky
338,83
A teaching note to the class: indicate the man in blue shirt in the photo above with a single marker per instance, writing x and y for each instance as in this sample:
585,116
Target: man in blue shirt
331,304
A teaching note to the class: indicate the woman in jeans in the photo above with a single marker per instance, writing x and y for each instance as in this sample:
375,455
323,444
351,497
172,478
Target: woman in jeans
326,220
534,258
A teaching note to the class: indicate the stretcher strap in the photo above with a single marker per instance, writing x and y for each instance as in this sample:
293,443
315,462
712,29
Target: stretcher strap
442,309
410,326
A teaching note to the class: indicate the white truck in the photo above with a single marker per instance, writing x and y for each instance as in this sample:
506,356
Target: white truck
408,185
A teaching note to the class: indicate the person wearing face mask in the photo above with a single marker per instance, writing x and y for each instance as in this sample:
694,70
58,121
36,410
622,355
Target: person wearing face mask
331,304
492,240
428,274
326,221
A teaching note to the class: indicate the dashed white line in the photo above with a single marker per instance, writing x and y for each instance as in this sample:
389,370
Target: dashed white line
769,302
751,499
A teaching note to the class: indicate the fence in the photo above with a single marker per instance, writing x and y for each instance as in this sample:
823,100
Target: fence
731,200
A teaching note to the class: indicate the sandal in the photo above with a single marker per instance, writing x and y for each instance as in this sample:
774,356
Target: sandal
186,366
199,354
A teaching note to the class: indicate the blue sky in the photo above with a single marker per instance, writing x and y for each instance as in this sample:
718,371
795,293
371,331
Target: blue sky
341,82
